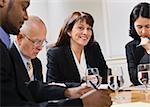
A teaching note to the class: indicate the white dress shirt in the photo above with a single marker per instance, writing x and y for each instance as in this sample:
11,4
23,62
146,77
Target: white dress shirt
82,66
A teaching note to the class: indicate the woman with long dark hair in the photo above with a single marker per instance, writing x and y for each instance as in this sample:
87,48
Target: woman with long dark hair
75,51
138,50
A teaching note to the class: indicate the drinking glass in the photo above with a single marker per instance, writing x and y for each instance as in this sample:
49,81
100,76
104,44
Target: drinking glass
93,79
144,75
115,81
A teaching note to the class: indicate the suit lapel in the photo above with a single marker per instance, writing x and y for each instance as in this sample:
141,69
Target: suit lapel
21,73
37,69
88,57
71,62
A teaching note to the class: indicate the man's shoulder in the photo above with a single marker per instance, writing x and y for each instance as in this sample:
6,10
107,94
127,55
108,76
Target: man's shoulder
2,46
3,49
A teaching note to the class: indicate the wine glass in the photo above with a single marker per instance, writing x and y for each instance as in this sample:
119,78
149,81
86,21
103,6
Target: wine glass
93,79
115,81
144,75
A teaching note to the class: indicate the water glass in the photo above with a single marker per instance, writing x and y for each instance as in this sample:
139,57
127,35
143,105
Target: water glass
115,81
93,79
144,75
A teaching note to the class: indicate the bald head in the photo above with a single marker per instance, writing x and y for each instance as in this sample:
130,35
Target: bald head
32,36
32,23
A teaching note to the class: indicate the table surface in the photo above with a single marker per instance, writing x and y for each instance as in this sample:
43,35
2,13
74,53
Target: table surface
130,97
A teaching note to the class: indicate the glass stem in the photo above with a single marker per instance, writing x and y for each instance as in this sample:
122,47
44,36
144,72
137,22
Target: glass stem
146,90
116,93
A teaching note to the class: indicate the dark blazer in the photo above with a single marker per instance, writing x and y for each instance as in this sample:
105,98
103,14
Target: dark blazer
14,90
10,95
134,54
62,67
40,91
19,65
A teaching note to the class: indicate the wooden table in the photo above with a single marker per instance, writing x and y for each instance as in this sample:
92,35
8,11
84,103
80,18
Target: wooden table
130,97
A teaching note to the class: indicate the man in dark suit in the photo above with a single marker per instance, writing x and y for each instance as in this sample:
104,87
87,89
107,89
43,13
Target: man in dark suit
13,13
26,47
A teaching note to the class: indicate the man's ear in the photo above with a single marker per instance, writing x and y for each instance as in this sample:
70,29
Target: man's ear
2,3
19,38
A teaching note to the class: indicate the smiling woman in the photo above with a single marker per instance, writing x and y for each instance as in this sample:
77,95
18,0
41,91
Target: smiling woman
75,51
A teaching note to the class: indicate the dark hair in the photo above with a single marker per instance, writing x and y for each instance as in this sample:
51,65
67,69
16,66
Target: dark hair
141,9
64,38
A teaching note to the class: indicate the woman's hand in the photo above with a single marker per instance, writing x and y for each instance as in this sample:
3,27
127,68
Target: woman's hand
145,42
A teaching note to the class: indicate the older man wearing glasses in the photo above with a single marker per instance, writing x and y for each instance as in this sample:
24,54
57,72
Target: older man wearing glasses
27,45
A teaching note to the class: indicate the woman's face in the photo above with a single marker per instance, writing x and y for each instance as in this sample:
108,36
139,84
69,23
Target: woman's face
80,33
142,27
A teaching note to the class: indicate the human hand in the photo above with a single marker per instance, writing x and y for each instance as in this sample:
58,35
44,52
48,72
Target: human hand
77,92
145,42
96,98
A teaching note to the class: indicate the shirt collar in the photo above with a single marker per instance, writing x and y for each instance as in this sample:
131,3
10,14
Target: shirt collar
82,66
4,37
25,60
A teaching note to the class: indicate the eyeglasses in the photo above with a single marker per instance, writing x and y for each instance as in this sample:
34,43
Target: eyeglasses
36,42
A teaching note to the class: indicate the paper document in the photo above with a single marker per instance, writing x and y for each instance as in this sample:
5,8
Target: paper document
139,87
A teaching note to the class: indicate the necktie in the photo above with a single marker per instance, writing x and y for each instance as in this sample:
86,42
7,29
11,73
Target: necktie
30,70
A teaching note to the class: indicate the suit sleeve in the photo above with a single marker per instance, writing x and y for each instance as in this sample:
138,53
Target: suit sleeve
132,67
71,103
53,74
65,103
53,94
44,92
9,95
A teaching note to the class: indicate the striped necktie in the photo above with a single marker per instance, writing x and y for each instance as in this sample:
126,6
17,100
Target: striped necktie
30,70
